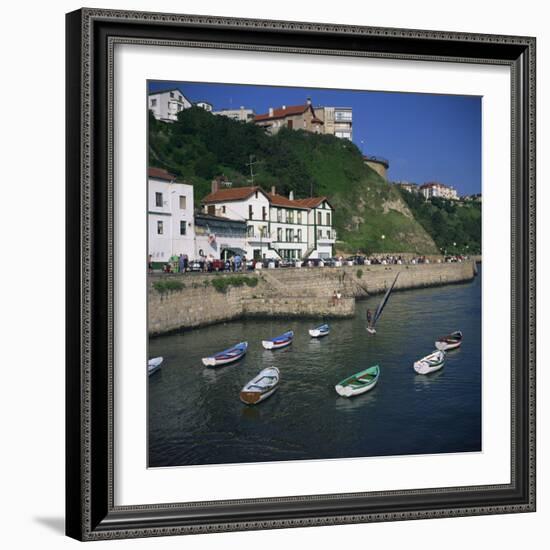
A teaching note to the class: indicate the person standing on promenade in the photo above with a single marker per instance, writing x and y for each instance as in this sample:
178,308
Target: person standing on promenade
237,260
181,264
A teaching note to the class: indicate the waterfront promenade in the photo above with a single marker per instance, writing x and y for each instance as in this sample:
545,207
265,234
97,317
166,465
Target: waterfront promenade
305,292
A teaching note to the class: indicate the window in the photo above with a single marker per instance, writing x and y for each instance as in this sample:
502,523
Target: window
279,214
263,231
153,102
183,202
158,199
319,218
256,194
343,116
290,216
299,216
172,95
279,234
250,212
319,233
250,230
160,228
328,218
223,209
299,235
264,213
183,227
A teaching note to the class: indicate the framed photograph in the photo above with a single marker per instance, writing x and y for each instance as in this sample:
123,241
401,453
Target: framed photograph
300,274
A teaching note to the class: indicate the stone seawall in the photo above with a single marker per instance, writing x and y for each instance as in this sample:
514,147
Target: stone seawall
287,292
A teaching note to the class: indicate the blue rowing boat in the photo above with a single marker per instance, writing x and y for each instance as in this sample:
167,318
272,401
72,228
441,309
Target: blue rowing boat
279,341
319,331
227,356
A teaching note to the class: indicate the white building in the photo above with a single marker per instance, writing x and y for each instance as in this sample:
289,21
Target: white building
166,104
205,105
250,204
338,121
241,114
170,217
277,226
436,189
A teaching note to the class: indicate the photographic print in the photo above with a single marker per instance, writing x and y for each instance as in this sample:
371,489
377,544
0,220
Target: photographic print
314,273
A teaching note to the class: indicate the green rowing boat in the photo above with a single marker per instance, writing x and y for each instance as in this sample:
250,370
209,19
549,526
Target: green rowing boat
358,383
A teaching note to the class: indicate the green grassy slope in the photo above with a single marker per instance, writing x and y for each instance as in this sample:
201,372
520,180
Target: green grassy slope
454,225
370,215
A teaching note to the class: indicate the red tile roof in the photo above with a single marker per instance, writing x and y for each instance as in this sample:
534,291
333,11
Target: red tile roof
283,112
242,193
160,173
306,204
291,110
312,202
232,194
279,200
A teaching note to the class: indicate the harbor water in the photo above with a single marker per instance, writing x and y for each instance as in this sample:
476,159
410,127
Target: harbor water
196,417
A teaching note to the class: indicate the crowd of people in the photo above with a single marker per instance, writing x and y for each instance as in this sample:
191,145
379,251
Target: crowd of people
237,262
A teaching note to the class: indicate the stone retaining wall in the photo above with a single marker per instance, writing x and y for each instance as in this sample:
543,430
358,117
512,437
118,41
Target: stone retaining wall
288,292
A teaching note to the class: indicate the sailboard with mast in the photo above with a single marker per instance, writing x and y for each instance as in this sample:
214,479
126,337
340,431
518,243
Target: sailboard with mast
373,320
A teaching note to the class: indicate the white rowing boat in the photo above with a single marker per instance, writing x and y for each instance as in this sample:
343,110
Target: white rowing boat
451,341
320,331
153,365
430,363
281,341
261,386
226,356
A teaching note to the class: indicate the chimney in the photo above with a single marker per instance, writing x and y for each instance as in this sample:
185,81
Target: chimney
271,111
273,190
291,196
215,185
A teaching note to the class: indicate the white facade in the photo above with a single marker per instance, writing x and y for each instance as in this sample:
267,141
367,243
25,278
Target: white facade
255,211
430,190
289,231
277,227
205,105
170,219
166,105
242,114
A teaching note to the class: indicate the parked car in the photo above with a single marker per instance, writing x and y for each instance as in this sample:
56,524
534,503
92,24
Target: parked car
217,265
356,259
196,265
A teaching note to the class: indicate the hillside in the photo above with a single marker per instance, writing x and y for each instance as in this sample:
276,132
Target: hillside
455,226
370,215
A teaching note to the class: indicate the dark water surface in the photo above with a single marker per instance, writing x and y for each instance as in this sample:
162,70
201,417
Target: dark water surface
196,417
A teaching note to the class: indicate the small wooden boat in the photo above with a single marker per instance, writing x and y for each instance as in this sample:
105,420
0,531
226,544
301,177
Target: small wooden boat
358,383
226,356
430,363
451,341
153,365
279,341
261,387
320,331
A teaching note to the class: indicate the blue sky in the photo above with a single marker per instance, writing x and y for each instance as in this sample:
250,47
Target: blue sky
425,137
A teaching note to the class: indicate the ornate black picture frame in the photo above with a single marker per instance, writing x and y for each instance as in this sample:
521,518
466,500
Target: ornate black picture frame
91,513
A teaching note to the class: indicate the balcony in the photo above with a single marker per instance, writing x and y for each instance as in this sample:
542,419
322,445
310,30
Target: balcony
259,238
327,238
